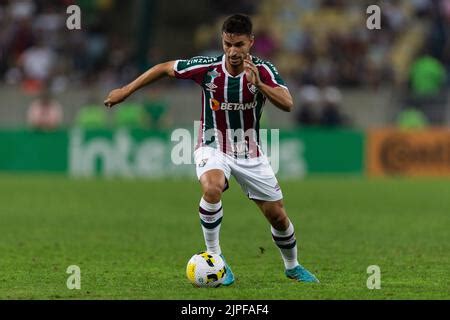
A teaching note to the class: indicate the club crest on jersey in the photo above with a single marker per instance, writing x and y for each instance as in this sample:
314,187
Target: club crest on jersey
253,89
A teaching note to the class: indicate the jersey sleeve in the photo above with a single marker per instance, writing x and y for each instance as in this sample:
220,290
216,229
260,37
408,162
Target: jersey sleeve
270,75
193,69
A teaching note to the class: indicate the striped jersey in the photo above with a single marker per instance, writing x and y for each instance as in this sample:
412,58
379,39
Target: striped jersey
231,106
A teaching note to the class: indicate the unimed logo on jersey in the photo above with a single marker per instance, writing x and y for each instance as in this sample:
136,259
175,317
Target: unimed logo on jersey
216,105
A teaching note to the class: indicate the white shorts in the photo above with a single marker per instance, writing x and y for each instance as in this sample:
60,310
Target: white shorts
255,175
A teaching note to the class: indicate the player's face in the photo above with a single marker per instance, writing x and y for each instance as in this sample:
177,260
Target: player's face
236,47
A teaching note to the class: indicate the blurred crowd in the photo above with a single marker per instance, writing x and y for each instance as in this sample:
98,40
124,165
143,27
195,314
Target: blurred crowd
320,48
315,42
37,50
39,54
325,46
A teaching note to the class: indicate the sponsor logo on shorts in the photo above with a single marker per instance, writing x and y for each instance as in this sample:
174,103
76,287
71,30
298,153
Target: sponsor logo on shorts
277,187
203,163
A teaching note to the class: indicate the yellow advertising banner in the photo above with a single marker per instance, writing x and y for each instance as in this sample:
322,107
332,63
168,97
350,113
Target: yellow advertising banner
409,153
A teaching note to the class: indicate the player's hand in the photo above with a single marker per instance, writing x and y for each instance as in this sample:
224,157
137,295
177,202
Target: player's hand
116,96
251,71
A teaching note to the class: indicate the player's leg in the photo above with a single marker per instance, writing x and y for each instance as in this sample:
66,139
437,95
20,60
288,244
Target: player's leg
258,181
283,234
213,184
282,230
213,174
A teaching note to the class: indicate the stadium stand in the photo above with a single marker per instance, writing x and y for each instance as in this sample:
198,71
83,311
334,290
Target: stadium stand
364,65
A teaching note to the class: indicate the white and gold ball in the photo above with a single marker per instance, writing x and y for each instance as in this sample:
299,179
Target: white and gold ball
206,269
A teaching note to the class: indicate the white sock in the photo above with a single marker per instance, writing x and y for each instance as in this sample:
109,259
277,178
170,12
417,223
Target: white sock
286,242
211,217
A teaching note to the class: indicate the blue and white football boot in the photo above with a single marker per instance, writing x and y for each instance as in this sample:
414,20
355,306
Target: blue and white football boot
300,274
229,276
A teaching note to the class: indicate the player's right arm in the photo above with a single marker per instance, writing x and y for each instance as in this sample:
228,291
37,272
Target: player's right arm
155,73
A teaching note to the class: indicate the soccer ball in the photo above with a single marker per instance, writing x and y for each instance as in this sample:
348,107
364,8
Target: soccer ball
206,270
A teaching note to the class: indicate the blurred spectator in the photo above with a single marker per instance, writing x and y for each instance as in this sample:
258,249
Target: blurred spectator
306,115
421,7
130,115
50,22
395,15
309,102
427,88
264,45
427,76
18,36
92,116
45,113
22,9
156,108
412,118
331,114
38,64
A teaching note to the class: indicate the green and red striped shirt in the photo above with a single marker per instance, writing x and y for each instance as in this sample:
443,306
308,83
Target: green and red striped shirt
231,106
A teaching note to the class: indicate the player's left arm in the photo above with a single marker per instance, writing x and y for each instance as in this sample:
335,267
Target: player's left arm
278,95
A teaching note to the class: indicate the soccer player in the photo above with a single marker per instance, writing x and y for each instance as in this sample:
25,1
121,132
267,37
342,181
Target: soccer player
235,87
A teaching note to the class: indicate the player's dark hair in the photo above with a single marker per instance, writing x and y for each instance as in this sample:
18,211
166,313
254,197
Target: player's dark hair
238,24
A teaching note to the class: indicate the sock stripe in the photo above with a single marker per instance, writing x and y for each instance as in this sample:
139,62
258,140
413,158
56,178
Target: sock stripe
277,238
287,246
211,225
285,242
208,213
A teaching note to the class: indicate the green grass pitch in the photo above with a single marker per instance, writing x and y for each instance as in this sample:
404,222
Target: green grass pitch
132,239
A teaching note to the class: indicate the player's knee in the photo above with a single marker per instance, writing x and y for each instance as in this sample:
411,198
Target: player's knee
213,193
